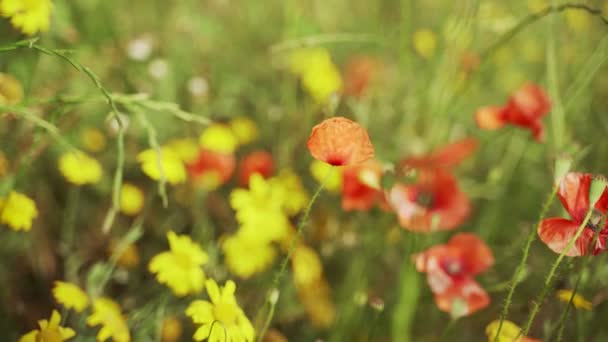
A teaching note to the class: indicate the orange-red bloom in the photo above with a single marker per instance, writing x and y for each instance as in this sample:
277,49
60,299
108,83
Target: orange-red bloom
450,270
444,158
525,108
339,141
433,202
557,232
256,162
212,169
359,74
361,186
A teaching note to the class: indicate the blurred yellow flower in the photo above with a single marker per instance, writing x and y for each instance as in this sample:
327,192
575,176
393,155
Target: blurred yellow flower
330,175
172,166
11,90
171,330
218,138
509,332
578,301
223,309
93,140
131,199
307,266
292,185
78,168
425,42
260,255
18,211
70,296
186,149
50,331
129,257
320,76
318,303
245,130
106,313
29,16
180,267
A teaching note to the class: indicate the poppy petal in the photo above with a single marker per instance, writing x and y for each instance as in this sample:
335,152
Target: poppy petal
256,162
339,141
573,192
490,118
446,157
557,232
463,299
475,254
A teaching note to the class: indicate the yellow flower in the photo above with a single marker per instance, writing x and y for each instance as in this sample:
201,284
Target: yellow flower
129,257
307,267
246,257
50,331
318,303
221,319
180,267
106,313
78,168
292,185
425,42
131,199
218,138
70,296
509,332
186,149
93,140
11,90
18,211
330,175
320,77
29,16
171,330
172,166
244,129
578,301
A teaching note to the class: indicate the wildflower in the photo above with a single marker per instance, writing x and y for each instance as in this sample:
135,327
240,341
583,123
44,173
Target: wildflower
70,296
425,42
443,158
11,90
78,168
211,169
171,330
307,266
18,211
93,140
244,129
218,138
359,74
158,69
106,313
140,49
131,199
339,141
361,186
433,202
330,176
578,301
292,185
49,331
221,319
319,75
450,269
186,149
198,86
525,108
260,255
172,166
30,16
260,162
129,257
557,232
180,267
317,301
509,332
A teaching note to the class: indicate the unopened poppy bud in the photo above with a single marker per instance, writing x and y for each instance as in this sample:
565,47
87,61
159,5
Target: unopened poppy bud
273,297
563,164
597,188
377,304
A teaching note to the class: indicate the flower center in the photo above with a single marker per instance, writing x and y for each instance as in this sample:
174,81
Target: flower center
225,312
335,160
425,199
595,220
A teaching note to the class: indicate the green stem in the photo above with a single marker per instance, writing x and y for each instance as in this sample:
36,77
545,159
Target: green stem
549,279
522,263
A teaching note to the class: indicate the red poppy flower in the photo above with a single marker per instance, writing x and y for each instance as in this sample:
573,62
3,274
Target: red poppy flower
557,232
433,202
339,141
212,169
361,186
359,74
445,157
256,162
450,269
525,108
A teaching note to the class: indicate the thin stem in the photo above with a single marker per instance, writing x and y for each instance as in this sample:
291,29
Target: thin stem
447,329
117,183
549,279
522,263
321,39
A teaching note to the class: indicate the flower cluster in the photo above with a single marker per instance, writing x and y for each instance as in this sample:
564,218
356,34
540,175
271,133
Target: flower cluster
317,72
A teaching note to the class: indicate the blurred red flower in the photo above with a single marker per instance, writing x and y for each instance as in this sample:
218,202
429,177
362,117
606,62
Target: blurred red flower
339,141
526,108
450,270
446,157
255,162
359,74
361,186
212,169
557,232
